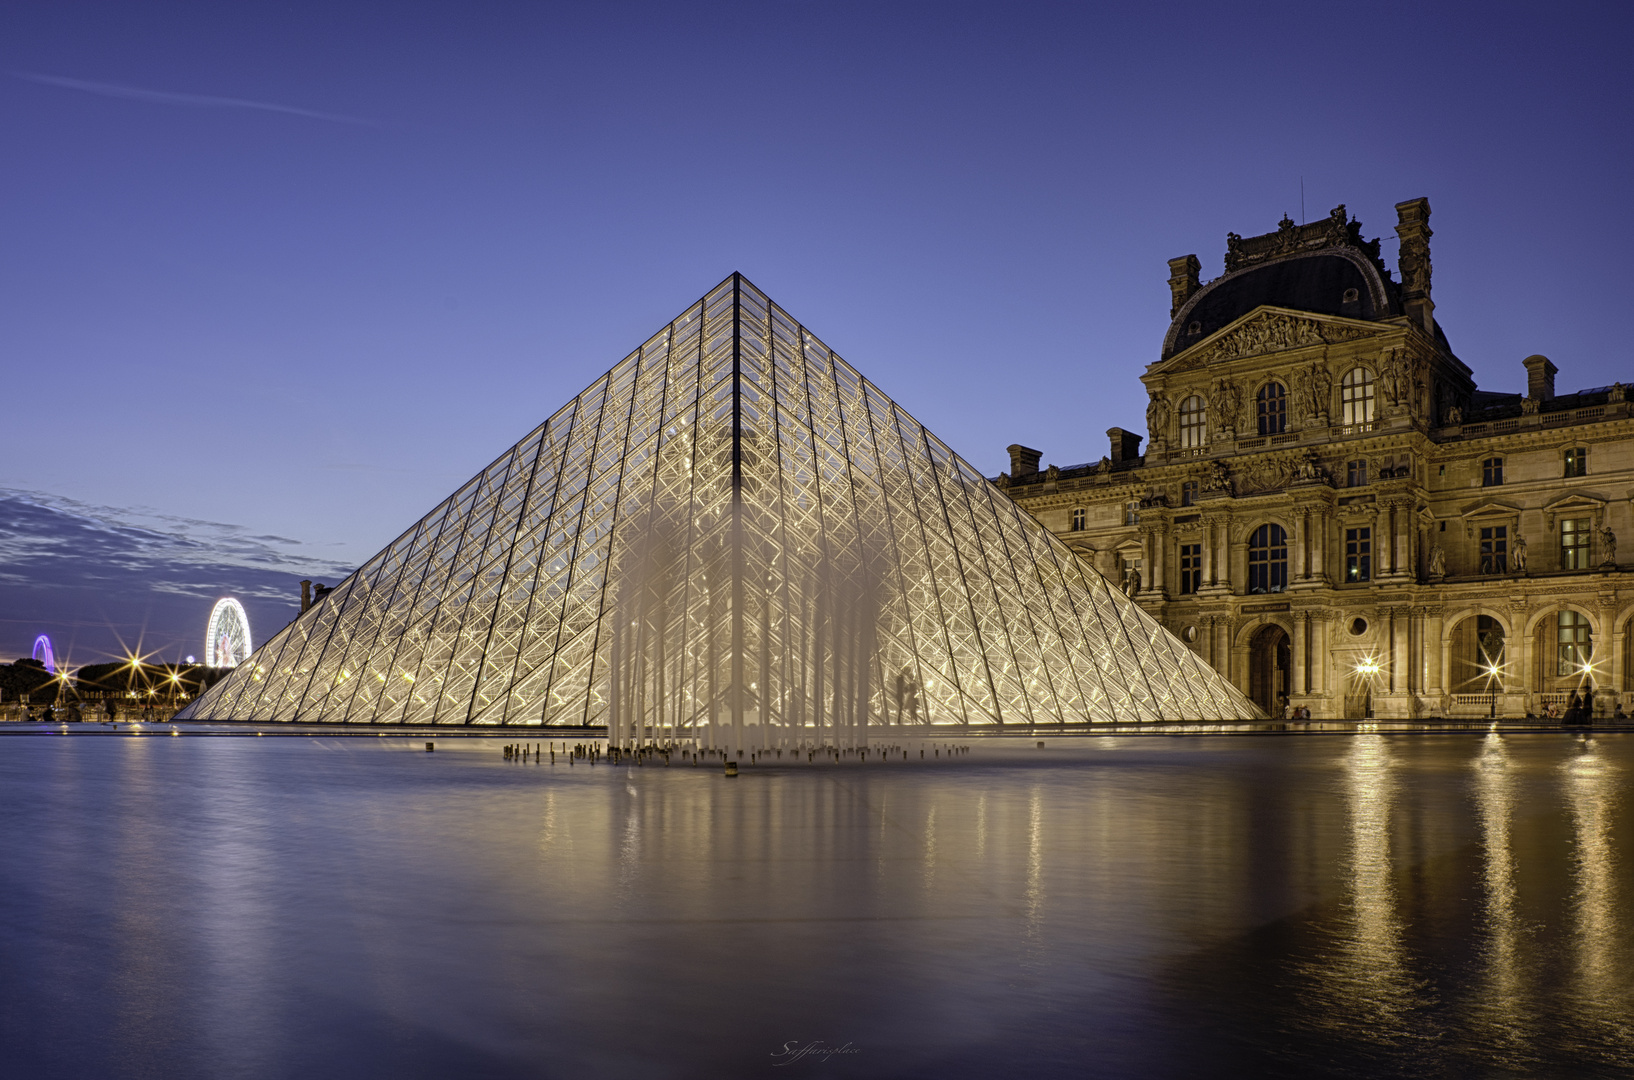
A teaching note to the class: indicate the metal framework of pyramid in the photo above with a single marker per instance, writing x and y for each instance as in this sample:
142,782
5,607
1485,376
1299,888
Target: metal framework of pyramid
730,539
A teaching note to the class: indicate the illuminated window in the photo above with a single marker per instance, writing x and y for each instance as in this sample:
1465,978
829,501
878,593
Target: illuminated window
1188,493
1271,406
1577,461
1359,554
1268,560
1492,472
1495,549
1079,517
1191,568
1356,473
1193,422
1356,396
1576,645
1574,544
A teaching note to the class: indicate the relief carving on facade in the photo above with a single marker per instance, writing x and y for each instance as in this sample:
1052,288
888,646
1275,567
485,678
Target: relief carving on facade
1277,333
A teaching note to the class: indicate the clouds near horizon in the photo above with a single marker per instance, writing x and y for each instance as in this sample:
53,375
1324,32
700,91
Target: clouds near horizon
101,579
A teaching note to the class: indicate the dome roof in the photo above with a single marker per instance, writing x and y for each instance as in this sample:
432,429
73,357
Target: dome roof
1333,281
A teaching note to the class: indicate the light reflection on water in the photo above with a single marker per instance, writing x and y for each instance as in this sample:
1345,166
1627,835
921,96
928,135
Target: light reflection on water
1308,906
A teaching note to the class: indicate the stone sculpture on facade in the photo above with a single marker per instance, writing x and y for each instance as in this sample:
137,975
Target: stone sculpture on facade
1608,542
1438,561
1157,417
1131,582
1455,416
1224,404
1517,554
1529,406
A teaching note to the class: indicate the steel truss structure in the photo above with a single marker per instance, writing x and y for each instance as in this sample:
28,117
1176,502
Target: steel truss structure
731,539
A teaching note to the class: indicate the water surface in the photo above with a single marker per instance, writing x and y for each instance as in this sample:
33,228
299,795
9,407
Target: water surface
1416,905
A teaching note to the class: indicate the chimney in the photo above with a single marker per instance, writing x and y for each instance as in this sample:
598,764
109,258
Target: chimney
1182,281
1413,227
1023,461
1540,378
306,595
1125,445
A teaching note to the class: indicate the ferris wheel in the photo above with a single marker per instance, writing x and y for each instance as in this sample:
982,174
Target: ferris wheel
227,638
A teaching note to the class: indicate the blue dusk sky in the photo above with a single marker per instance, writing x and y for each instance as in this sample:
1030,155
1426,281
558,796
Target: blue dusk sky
275,278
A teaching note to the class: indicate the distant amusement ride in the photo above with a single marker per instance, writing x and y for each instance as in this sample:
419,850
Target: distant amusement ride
42,653
227,639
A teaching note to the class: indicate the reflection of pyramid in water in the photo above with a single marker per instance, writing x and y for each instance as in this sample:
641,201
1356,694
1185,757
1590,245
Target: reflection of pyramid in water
730,536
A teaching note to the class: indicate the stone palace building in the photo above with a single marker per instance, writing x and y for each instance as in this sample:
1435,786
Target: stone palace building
1333,515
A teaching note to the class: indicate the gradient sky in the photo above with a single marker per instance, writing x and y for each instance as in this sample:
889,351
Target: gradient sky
276,278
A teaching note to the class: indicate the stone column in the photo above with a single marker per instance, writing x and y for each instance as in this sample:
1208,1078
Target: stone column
1298,681
1401,534
1157,557
1222,646
1401,662
1434,649
1208,553
1299,573
1319,545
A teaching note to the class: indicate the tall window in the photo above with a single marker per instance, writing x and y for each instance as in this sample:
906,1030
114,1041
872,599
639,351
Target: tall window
1576,643
1495,549
1492,472
1188,493
1577,461
1131,512
1271,406
1356,473
1191,568
1356,396
1193,422
1359,554
1268,560
1574,544
1079,517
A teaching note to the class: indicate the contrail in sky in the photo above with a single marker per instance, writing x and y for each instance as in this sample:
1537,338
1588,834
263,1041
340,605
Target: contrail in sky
197,101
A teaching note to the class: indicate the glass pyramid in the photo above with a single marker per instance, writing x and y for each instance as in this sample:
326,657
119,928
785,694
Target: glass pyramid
731,539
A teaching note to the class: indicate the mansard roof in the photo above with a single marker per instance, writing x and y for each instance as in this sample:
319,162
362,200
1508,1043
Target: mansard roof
1312,268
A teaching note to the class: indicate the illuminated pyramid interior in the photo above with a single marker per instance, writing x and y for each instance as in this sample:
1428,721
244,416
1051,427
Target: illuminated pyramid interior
731,539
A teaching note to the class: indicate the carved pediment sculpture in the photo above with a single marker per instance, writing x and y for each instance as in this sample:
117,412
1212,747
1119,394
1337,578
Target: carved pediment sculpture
1276,333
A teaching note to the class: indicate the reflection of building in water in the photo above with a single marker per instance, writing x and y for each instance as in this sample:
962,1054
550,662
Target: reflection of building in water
1495,805
1591,793
1371,977
1323,483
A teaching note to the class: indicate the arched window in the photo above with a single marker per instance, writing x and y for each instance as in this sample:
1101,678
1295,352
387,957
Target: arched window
1079,516
1268,560
1271,405
1356,396
1576,643
1193,422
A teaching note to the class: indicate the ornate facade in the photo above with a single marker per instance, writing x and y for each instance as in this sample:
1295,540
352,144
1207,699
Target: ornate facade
1333,515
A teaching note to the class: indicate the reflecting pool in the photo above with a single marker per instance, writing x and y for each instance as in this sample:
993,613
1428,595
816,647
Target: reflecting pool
1301,906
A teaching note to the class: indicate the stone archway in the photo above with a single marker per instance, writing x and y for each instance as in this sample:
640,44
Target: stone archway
1270,656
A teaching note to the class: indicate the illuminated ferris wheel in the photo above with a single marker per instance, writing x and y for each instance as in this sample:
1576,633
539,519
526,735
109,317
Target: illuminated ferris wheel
227,639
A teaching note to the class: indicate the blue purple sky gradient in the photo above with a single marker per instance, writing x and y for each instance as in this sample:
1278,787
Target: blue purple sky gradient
300,269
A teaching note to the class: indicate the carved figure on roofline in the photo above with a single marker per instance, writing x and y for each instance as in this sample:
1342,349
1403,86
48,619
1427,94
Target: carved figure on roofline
1619,392
1455,416
1529,406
